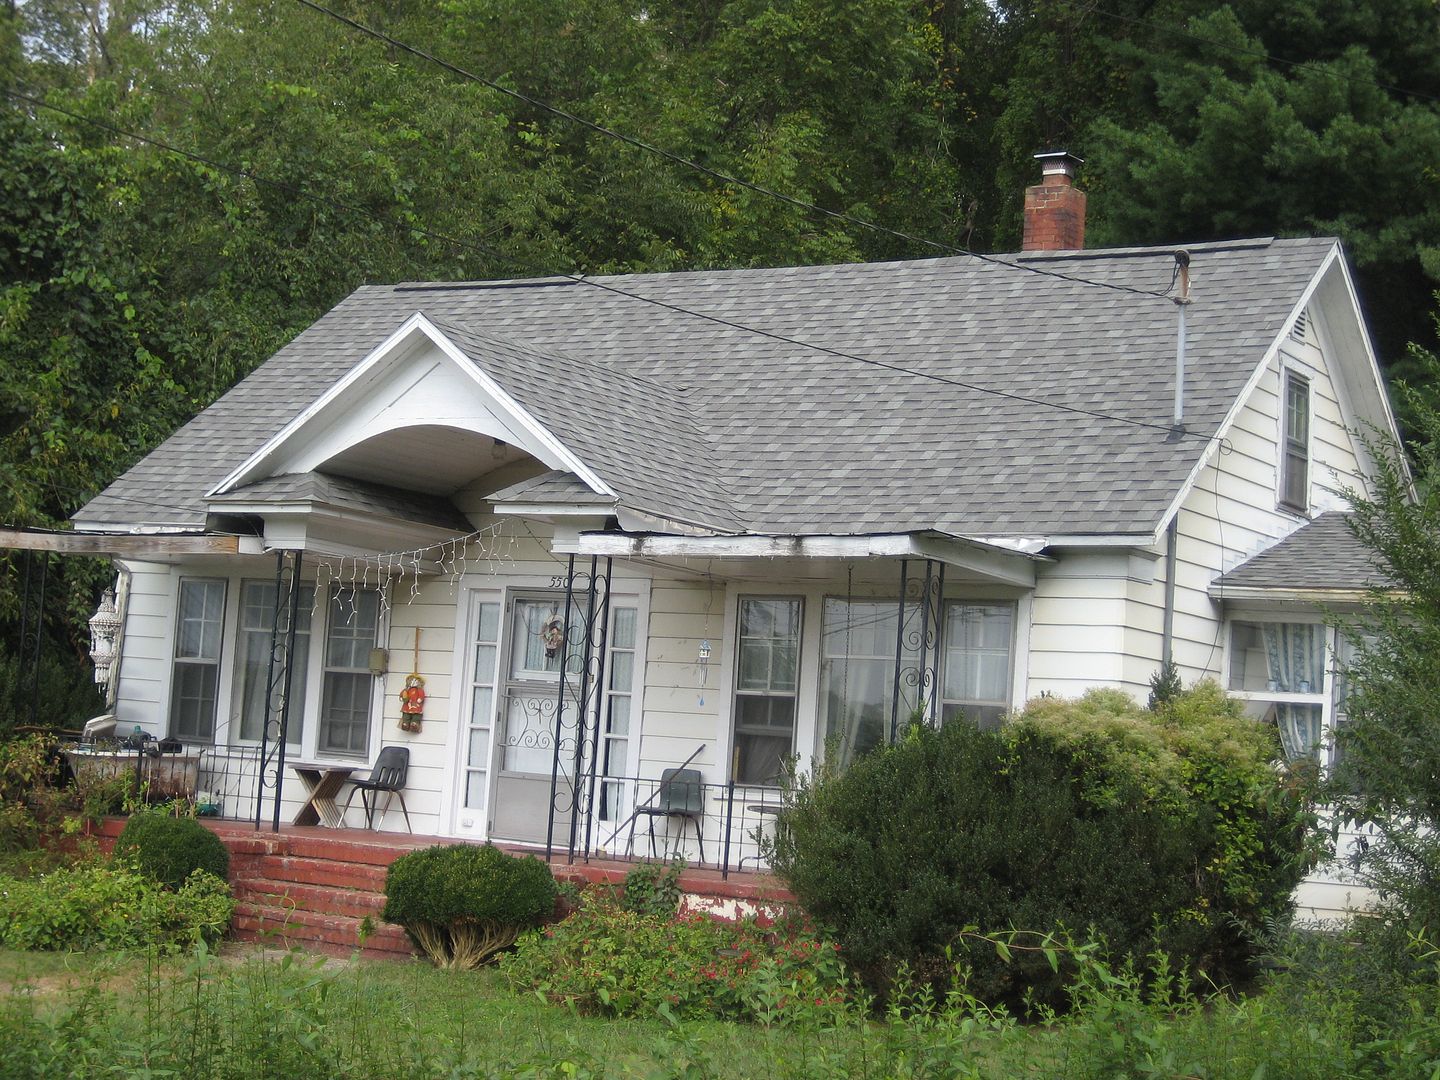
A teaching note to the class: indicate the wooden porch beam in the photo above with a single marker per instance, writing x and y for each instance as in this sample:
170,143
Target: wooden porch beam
137,545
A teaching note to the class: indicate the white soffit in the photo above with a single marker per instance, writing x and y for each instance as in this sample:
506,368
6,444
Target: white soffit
416,377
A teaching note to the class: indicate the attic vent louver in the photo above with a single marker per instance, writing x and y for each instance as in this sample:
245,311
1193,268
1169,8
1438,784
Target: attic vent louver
1301,330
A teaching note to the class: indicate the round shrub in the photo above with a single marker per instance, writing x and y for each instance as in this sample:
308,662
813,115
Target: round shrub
170,849
460,904
1147,831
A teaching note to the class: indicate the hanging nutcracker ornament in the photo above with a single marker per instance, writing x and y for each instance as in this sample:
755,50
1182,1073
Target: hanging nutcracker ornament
412,698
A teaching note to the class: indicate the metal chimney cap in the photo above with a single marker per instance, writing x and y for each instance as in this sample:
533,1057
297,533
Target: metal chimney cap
1058,161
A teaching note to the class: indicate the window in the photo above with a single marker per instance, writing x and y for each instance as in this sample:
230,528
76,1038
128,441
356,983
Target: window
252,662
354,617
857,675
482,705
195,679
768,648
1278,669
615,733
976,679
1295,451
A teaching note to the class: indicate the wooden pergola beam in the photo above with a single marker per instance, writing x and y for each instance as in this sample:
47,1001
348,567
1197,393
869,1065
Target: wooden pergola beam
124,544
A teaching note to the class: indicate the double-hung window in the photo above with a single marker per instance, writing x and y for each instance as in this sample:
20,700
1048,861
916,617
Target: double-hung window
195,678
857,675
766,684
1279,670
347,684
252,662
1295,448
977,663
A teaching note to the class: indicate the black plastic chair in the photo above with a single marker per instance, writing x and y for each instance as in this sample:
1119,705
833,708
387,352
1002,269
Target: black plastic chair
681,795
388,776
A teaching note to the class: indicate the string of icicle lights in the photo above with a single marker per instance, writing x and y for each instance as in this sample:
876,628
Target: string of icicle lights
385,573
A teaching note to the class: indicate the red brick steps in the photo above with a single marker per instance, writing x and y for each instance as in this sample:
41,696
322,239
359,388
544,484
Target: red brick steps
313,888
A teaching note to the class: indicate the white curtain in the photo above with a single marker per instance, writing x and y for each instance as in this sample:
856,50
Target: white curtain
1295,658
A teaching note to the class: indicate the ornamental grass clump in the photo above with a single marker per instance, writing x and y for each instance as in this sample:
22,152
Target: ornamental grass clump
461,904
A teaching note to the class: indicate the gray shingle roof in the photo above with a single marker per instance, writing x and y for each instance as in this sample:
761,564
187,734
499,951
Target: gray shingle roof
342,491
1322,554
704,422
550,487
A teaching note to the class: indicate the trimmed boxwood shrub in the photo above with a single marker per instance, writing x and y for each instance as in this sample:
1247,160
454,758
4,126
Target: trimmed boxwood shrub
170,849
462,903
1171,830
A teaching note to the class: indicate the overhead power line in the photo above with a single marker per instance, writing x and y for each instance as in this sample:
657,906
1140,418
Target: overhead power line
580,279
696,166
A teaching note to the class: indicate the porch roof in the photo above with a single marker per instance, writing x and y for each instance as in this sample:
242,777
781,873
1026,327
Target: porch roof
1323,559
320,489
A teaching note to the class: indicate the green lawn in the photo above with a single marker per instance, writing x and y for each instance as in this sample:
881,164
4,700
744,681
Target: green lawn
245,1013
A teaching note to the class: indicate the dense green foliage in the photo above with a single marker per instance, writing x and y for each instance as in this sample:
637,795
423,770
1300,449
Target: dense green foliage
608,960
110,907
461,903
1167,831
169,849
1388,777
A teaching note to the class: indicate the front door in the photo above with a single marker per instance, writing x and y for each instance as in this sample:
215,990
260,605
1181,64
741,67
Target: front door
506,751
526,729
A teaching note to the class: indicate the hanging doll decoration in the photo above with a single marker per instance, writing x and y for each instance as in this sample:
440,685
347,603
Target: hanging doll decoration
412,698
552,635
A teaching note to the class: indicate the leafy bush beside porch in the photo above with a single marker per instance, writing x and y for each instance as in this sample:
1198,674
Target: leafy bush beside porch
1172,830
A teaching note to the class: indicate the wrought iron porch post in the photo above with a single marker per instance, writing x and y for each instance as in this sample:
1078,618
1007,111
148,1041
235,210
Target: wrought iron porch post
560,713
286,678
582,701
598,687
899,653
278,682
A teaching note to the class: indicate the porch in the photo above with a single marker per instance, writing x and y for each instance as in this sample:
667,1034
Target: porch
315,887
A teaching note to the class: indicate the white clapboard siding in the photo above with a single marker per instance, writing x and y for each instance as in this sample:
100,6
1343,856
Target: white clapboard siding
144,672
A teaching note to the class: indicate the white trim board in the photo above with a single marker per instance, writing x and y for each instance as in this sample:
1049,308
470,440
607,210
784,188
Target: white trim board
284,451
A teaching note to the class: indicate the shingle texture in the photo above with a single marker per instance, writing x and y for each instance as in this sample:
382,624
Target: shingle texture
1322,554
703,422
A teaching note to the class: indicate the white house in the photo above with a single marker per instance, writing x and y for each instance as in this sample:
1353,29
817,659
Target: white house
783,509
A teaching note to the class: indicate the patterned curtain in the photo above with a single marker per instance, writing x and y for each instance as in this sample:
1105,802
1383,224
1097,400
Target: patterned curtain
1295,656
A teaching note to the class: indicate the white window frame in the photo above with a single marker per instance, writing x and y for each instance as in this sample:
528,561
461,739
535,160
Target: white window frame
228,704
1290,376
216,663
1006,705
1324,696
806,644
297,724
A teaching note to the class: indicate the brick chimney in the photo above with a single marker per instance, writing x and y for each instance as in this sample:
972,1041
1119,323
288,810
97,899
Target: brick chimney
1055,207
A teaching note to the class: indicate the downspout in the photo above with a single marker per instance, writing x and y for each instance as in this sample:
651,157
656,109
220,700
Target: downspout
1167,638
1182,301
